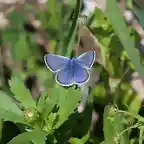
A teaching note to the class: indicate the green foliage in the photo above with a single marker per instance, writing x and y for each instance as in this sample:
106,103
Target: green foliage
76,141
8,110
45,112
114,126
19,45
123,33
36,137
67,103
21,93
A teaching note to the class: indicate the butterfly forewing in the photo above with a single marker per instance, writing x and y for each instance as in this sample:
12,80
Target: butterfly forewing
55,62
86,59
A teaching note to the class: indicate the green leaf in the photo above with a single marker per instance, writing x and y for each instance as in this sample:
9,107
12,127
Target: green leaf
113,13
21,49
42,102
103,142
120,127
21,93
114,121
36,136
76,141
135,105
108,126
10,116
51,101
68,100
7,104
8,110
83,140
45,105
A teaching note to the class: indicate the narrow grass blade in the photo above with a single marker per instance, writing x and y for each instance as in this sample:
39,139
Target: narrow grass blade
113,13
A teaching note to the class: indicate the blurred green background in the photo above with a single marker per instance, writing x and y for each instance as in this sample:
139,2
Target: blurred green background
36,110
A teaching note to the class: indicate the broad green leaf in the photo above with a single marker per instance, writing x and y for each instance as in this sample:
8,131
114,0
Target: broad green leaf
135,105
11,116
42,102
76,141
68,100
52,100
8,110
108,129
103,142
46,104
120,127
7,104
133,141
114,126
113,13
21,93
85,138
21,49
36,136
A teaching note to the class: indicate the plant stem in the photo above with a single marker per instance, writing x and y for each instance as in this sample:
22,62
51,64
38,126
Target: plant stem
71,36
141,135
136,116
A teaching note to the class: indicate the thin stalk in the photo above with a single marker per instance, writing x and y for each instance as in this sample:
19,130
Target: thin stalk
141,135
136,116
71,36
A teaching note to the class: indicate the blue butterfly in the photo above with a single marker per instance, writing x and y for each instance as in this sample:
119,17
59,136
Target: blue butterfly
70,71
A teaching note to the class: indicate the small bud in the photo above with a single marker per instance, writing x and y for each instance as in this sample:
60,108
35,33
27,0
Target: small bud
31,115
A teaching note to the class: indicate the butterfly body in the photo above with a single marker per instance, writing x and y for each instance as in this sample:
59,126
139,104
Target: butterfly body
70,71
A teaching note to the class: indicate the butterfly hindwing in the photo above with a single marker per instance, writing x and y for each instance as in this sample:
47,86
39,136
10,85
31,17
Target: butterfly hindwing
86,59
55,62
81,74
65,76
